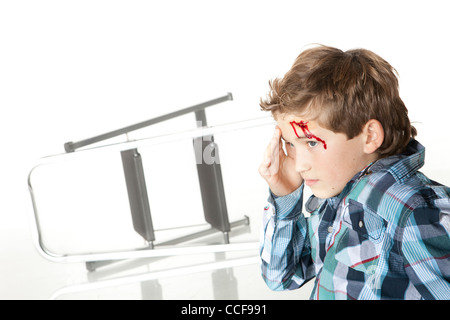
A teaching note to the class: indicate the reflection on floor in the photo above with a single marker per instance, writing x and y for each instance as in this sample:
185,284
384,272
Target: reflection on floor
25,274
222,275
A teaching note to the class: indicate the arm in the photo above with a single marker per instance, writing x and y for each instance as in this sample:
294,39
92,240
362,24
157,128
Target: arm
426,250
285,248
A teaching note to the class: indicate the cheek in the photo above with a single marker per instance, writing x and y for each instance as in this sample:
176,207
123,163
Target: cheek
337,167
342,167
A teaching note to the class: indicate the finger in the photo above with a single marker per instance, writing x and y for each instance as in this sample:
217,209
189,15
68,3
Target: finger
275,142
263,170
266,161
267,156
270,163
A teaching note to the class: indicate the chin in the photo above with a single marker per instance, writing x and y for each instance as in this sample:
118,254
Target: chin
324,194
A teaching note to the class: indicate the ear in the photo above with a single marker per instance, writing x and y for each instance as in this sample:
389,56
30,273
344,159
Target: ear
374,136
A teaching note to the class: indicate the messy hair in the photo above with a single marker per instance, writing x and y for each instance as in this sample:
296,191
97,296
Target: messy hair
344,90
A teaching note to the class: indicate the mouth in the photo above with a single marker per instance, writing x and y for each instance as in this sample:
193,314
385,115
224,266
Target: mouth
311,182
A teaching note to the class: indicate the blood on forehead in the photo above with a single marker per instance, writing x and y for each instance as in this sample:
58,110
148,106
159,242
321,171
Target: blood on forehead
304,126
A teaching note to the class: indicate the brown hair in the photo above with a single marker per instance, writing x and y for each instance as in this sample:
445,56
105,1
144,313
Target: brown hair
344,90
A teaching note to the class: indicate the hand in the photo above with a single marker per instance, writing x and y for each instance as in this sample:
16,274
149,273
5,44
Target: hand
278,169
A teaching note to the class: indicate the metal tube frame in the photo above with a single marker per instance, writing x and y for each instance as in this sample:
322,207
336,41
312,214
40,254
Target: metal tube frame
139,253
72,146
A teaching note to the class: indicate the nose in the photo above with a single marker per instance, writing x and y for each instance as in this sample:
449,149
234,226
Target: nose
302,163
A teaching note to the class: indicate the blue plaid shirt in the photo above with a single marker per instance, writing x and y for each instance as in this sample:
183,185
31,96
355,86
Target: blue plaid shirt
386,236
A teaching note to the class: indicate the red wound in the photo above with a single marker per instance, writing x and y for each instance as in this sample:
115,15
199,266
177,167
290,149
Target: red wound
304,126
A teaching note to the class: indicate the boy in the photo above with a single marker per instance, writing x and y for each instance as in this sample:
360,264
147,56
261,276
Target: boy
378,228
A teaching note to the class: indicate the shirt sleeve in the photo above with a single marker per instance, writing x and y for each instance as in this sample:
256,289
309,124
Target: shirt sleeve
426,250
284,245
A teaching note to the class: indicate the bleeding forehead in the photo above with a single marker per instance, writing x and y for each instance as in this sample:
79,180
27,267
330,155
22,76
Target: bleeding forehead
301,129
296,124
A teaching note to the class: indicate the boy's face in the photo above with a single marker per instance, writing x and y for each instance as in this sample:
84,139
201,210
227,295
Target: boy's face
326,160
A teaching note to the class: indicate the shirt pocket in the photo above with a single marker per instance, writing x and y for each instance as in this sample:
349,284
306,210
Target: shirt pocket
359,246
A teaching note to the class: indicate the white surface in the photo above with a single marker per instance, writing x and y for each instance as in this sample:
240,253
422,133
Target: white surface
70,70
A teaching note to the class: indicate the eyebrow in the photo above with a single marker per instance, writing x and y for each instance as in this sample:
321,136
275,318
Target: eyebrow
298,137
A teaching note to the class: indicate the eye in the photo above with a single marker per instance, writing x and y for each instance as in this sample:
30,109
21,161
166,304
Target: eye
287,144
312,144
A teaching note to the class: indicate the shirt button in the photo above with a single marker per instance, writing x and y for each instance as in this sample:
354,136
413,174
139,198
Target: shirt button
330,229
361,223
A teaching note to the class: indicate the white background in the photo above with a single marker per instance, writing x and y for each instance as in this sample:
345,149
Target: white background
74,69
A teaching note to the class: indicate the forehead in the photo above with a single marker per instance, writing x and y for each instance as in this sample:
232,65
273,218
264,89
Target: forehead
297,126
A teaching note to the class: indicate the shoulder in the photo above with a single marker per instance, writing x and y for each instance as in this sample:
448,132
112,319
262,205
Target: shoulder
394,200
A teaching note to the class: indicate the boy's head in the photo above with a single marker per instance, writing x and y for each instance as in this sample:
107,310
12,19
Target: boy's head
343,91
338,112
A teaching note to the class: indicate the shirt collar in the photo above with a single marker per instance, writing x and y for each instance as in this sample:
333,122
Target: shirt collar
400,165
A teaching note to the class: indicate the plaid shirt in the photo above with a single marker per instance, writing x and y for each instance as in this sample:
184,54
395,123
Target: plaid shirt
386,236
